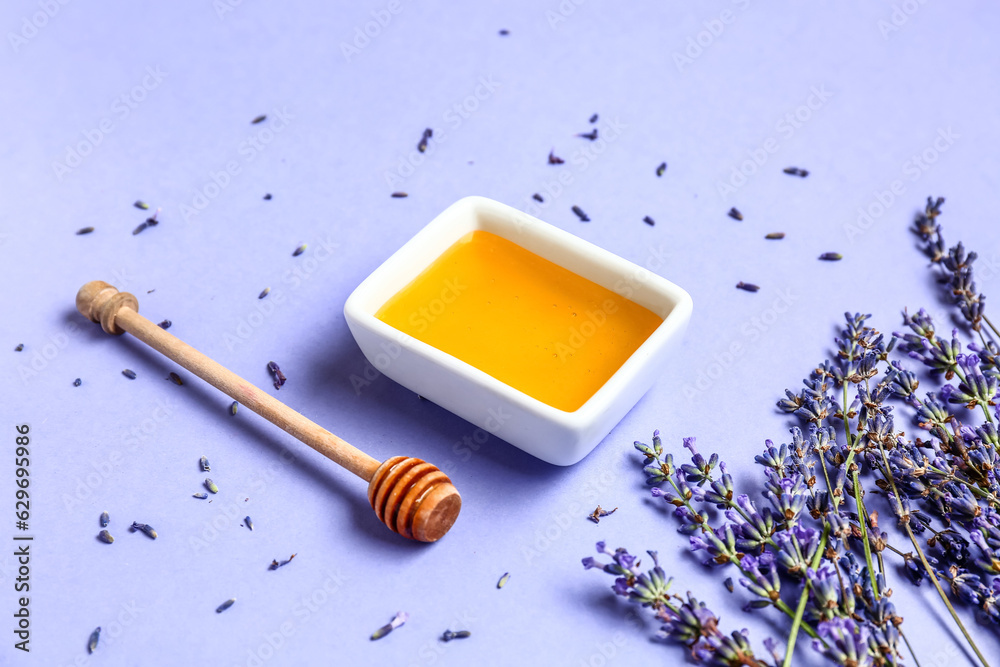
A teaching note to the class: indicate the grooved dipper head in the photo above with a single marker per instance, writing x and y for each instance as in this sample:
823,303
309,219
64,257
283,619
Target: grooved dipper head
414,498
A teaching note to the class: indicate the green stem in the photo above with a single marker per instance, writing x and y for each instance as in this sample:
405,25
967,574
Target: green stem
803,597
864,533
987,320
930,571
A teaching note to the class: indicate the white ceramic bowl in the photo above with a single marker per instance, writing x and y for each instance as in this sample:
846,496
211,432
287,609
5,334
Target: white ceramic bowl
553,435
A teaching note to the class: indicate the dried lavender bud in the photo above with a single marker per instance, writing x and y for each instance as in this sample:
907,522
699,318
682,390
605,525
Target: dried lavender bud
84,230
662,169
139,204
275,564
129,373
259,119
580,214
504,32
449,635
105,537
422,146
399,195
298,251
831,257
175,378
795,171
249,522
205,465
749,287
233,408
397,621
211,486
147,529
165,324
553,159
200,495
141,227
593,119
503,580
728,584
95,637
267,197
20,346
592,135
537,197
279,377
735,214
600,513
77,382
105,519
225,605
265,292
775,236
649,221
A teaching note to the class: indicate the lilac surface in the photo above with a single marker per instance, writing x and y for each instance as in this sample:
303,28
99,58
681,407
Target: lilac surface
340,126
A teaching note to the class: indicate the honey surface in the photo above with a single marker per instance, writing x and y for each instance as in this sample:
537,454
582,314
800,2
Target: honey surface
526,321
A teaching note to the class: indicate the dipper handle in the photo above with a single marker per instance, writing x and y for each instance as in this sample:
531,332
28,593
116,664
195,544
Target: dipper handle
412,497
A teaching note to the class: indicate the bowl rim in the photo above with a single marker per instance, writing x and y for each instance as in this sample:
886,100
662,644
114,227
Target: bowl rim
467,214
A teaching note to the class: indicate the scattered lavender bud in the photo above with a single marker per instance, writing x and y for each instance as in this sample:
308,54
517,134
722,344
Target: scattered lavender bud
775,236
139,204
205,465
580,214
398,620
662,169
399,195
593,119
503,580
279,377
129,373
95,637
553,159
200,496
19,347
749,287
175,378
460,634
105,519
795,171
259,119
265,292
831,256
600,513
211,486
268,197
225,605
233,408
592,135
301,249
165,324
77,382
105,537
422,146
649,221
84,230
249,523
537,197
735,214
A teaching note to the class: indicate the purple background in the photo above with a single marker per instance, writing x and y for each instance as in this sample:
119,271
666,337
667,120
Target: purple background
339,126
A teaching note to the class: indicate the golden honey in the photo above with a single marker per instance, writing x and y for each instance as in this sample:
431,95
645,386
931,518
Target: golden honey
522,319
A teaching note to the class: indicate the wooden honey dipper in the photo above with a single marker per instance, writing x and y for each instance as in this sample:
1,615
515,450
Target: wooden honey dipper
410,496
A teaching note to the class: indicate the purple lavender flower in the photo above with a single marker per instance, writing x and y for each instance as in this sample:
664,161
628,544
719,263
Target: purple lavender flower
846,642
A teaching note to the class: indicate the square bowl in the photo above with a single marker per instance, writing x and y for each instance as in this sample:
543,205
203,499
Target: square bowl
557,436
